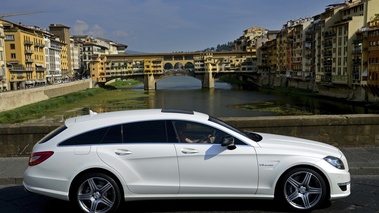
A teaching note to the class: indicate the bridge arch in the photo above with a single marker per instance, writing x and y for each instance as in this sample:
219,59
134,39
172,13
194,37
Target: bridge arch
178,65
168,66
178,84
189,65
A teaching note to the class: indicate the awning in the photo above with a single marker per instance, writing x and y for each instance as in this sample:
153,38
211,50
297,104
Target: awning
364,74
39,65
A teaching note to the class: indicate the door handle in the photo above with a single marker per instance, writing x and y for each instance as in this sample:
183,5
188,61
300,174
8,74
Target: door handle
122,152
189,151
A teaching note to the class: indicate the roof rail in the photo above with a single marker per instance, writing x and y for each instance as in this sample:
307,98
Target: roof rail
178,111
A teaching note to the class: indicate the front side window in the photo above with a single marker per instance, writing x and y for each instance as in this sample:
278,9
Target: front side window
191,132
145,132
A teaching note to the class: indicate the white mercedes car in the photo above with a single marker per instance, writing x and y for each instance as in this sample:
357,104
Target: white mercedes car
99,161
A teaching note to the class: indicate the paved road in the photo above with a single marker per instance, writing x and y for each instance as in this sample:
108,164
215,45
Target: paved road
364,199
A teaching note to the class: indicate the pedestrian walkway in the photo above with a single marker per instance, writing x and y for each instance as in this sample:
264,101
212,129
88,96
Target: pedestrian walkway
362,161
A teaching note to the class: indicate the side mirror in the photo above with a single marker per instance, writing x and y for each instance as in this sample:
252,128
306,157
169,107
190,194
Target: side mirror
228,141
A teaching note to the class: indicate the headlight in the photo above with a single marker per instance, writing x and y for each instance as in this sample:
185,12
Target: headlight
336,162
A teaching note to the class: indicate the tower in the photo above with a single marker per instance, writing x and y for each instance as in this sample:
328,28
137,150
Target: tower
63,32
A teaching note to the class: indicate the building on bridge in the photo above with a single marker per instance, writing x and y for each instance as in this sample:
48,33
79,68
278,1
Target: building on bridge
152,67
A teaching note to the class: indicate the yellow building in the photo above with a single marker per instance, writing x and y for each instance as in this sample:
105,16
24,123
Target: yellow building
373,54
66,71
25,56
3,77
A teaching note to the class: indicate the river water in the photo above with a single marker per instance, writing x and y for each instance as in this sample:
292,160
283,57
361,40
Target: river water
225,100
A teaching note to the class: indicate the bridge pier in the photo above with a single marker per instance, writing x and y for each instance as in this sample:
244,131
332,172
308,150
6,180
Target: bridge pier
149,82
208,80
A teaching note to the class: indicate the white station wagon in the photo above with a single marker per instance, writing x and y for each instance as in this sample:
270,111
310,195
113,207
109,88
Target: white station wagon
98,161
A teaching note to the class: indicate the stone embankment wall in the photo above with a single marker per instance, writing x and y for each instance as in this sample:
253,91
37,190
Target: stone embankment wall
355,93
360,130
13,99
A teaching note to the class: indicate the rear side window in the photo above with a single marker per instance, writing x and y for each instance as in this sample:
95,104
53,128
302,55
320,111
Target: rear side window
159,131
113,135
87,138
145,132
53,134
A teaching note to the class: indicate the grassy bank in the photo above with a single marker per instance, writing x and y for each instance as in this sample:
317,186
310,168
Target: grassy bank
42,108
75,104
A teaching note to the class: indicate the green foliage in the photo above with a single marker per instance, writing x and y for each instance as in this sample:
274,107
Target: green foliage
220,47
230,79
124,83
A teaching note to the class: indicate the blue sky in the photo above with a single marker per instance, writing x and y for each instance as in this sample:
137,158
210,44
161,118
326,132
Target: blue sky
161,26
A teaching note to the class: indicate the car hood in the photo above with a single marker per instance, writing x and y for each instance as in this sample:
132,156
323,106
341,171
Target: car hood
292,145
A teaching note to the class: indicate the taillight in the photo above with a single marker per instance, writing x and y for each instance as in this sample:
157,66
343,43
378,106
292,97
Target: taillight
39,157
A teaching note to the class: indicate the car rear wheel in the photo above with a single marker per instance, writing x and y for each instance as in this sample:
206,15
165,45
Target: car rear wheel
97,192
303,189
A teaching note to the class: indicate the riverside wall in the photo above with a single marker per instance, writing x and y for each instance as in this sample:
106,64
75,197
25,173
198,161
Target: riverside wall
357,130
350,93
14,99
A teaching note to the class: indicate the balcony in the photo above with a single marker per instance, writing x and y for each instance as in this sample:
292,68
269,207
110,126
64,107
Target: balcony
40,69
21,69
357,61
357,41
28,43
328,63
329,34
39,45
29,51
29,60
328,44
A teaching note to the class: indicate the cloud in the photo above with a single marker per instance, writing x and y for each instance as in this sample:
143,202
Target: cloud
83,28
97,31
80,27
120,33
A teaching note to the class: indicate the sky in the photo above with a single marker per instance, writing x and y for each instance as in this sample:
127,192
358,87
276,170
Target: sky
162,26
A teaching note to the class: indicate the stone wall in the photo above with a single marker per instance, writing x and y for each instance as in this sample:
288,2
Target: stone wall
341,91
353,130
13,99
338,130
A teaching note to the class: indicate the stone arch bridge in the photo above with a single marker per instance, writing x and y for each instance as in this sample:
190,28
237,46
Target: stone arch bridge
150,68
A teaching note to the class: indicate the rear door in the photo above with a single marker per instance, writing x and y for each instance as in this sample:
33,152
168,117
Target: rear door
145,158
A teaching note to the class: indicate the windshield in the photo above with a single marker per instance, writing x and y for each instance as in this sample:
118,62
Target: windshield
215,120
253,136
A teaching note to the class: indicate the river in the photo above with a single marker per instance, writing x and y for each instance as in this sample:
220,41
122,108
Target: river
225,100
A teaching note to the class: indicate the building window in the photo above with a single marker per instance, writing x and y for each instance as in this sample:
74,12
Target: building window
9,37
13,55
12,46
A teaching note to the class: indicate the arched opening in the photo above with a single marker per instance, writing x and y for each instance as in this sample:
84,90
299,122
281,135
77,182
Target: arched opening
168,66
180,82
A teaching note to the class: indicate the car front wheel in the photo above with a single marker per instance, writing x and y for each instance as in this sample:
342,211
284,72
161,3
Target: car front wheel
97,192
303,189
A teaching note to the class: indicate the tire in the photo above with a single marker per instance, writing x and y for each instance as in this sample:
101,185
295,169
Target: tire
302,189
96,192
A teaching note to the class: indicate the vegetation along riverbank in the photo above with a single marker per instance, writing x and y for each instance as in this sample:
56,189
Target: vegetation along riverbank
59,108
